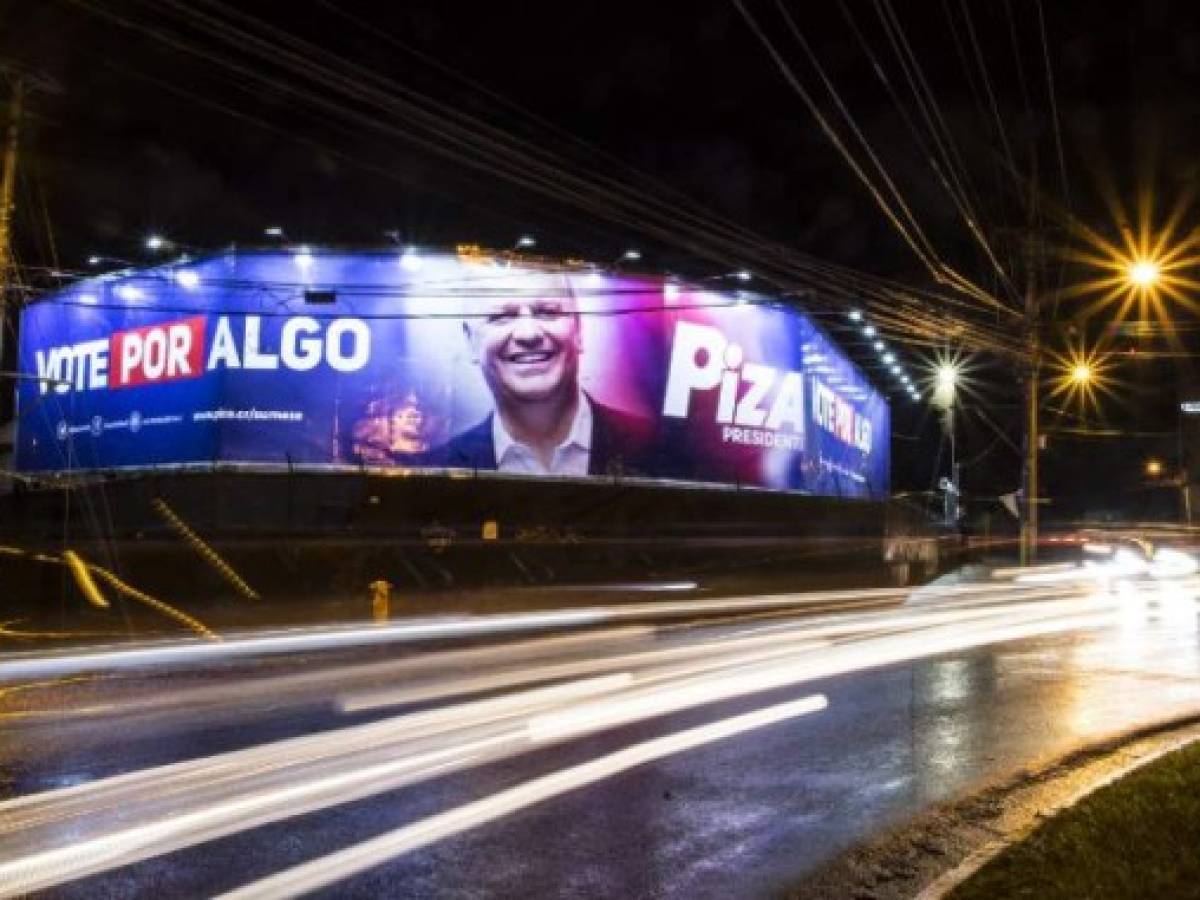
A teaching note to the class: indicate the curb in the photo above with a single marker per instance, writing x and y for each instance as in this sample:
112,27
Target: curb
948,881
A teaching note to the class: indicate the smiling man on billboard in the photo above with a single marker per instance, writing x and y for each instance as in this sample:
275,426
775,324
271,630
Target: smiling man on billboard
544,423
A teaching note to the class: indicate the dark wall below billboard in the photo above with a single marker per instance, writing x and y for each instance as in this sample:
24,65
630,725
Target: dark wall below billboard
443,362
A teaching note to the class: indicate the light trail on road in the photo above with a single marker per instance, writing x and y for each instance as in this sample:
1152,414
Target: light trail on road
335,867
492,702
304,640
497,702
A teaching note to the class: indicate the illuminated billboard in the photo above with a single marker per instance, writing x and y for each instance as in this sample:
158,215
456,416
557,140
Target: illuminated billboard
441,361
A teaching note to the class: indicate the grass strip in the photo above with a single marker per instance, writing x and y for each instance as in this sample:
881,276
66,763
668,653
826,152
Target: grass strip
1138,837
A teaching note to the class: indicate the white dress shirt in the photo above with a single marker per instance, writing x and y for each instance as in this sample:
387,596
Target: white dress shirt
570,457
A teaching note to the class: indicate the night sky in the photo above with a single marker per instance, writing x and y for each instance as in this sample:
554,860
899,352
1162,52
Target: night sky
139,135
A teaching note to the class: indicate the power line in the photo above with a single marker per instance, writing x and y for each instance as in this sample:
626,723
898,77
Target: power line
1001,131
939,131
534,168
941,272
850,121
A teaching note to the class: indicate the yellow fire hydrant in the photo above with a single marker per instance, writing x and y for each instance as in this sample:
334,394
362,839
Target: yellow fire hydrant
381,600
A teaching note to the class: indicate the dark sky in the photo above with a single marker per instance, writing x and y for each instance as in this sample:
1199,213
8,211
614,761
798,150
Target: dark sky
143,136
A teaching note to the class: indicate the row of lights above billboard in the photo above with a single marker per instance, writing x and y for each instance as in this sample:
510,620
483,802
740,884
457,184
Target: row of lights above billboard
887,356
411,260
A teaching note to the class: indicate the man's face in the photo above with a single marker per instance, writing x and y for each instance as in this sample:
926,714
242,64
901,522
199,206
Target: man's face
528,348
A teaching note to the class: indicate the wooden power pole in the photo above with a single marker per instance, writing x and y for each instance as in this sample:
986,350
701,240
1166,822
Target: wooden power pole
7,188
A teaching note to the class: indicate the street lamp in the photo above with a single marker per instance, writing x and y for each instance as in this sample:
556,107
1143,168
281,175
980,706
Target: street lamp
96,259
525,242
946,376
160,243
1143,273
740,275
945,382
1153,468
1080,375
187,279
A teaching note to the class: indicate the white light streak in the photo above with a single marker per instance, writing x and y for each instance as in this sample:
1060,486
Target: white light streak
301,640
360,857
184,803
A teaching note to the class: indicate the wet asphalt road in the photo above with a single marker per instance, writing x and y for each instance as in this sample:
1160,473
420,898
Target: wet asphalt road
908,723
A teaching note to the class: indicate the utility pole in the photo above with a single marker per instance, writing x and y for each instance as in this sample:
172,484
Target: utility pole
951,486
1029,487
7,188
1185,481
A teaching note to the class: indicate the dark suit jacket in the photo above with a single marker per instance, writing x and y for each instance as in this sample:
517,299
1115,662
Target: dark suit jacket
622,444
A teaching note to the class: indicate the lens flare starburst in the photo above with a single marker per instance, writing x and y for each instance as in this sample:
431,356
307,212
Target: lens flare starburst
947,377
1144,274
1079,378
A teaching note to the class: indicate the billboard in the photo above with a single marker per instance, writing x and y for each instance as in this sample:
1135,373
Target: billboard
442,361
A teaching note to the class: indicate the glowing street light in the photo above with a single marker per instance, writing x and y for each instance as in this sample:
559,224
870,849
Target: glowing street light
156,242
945,384
1154,468
525,242
946,376
740,275
187,279
1143,273
96,259
1080,376
303,258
